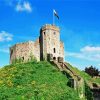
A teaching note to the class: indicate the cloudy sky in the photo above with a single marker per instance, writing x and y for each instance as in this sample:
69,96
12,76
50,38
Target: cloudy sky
20,20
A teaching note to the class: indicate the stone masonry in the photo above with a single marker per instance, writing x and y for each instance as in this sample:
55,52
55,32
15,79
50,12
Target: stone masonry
47,47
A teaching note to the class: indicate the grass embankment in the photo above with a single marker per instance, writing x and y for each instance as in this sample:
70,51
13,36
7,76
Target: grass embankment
34,81
85,76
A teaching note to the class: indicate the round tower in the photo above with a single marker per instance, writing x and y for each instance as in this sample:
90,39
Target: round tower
49,42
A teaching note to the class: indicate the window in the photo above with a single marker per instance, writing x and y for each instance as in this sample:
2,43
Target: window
54,58
54,50
54,33
22,58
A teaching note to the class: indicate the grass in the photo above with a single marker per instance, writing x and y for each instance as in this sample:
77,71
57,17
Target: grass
34,81
85,76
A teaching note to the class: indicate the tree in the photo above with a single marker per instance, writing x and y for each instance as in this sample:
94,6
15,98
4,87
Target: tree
92,71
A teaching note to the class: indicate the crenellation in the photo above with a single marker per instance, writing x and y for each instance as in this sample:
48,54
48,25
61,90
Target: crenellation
50,27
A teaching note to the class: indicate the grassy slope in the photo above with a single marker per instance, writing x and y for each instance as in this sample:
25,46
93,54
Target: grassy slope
34,81
84,75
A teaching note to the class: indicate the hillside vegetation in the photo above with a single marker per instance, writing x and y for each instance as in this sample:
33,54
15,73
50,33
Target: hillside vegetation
34,81
85,76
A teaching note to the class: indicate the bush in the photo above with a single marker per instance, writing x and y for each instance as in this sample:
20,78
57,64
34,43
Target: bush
88,93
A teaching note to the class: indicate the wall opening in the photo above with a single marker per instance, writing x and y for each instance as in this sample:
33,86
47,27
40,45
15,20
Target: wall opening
54,58
54,33
54,50
22,58
44,33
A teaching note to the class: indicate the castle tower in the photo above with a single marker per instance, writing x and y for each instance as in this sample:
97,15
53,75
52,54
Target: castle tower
50,44
47,47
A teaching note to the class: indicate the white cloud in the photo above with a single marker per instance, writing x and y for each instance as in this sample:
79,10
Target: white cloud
5,48
25,6
5,36
98,64
89,53
90,49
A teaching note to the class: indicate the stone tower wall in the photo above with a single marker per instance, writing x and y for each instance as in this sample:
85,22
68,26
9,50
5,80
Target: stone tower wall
61,49
50,35
24,51
37,50
12,53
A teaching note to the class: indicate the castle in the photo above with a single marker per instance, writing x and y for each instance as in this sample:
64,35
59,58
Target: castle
47,47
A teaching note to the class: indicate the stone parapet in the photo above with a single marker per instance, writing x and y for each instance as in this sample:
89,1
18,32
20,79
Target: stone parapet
50,27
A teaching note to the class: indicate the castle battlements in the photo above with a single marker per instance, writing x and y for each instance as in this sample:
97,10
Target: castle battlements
50,27
22,43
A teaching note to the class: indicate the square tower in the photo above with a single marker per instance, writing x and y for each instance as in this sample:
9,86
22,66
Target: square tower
50,44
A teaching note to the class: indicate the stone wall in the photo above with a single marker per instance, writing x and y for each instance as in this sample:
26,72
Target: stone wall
50,35
61,49
24,51
48,43
12,53
37,49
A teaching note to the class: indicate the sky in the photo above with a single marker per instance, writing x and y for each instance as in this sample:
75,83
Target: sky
79,22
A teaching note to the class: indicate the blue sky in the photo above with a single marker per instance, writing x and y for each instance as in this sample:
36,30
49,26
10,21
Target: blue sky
20,20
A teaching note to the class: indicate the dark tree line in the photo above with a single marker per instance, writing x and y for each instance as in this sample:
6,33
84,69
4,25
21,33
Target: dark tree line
92,71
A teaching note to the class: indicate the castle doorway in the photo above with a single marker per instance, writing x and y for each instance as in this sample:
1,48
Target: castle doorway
54,58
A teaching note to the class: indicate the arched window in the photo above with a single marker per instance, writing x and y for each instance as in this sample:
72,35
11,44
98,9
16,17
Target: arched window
54,50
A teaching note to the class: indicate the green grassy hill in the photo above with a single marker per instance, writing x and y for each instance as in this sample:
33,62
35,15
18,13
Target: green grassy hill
34,81
85,76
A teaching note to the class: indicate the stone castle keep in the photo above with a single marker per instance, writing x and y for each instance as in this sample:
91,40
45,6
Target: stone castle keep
47,47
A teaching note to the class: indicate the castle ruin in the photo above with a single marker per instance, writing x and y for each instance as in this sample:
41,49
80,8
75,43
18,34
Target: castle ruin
47,47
